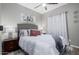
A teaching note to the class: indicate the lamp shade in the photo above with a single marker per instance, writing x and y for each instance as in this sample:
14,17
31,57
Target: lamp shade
1,28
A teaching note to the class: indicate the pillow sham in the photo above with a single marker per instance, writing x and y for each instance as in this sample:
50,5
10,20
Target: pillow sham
59,44
63,41
24,32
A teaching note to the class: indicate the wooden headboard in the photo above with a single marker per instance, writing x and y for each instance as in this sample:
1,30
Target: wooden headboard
26,26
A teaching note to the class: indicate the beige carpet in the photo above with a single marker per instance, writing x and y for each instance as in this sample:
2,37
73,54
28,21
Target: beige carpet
74,51
18,52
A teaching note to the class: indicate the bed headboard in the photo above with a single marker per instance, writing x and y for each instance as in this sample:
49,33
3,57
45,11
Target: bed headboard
26,26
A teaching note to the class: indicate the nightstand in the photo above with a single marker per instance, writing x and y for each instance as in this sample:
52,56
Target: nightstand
9,45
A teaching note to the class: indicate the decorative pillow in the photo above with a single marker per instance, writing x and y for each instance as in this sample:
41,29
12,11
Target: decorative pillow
63,41
24,32
59,44
34,32
29,32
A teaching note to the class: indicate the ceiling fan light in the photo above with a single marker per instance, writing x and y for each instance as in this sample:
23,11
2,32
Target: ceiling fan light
44,5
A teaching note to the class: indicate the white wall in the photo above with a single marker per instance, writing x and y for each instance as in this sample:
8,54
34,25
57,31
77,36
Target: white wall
11,14
72,26
0,31
0,13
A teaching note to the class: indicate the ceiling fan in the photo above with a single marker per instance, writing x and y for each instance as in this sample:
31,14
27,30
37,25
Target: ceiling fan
45,5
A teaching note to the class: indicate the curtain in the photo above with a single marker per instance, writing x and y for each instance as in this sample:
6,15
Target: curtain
57,26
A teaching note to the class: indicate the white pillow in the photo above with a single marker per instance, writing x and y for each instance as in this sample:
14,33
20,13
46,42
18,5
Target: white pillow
29,32
24,32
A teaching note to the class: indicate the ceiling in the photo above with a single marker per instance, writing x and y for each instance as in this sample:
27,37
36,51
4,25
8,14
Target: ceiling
41,9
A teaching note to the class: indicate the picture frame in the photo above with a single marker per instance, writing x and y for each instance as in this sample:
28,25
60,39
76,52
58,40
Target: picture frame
28,19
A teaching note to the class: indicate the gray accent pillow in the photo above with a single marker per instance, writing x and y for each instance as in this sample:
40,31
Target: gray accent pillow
59,44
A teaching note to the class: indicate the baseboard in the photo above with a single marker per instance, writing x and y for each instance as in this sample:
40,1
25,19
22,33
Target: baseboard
74,46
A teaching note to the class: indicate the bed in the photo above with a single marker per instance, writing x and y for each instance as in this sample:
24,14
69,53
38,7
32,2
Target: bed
37,45
40,45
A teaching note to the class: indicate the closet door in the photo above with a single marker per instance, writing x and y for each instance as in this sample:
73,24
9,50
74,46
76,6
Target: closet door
57,26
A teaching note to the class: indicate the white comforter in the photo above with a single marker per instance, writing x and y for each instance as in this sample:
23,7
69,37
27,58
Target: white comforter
39,45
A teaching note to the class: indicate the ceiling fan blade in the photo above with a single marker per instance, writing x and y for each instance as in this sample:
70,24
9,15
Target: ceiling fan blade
52,3
37,6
